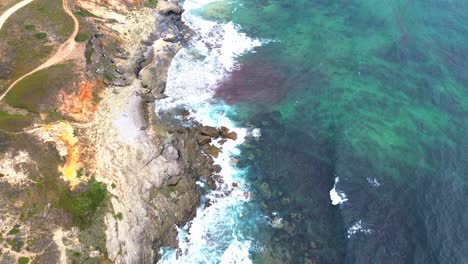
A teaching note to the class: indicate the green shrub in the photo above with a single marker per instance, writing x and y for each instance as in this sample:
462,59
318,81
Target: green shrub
79,173
151,3
81,37
83,205
23,260
30,27
16,244
41,35
14,230
119,216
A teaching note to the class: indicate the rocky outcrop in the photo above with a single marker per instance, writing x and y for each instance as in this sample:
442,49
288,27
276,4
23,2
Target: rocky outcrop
171,34
151,166
168,7
154,75
209,131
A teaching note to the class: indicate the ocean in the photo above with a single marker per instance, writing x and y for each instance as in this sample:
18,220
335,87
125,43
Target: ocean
352,118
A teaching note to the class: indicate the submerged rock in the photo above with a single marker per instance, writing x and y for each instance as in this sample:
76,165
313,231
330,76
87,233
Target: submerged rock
277,222
231,135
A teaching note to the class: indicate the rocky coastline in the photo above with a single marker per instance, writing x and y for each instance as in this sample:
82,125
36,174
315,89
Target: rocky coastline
152,163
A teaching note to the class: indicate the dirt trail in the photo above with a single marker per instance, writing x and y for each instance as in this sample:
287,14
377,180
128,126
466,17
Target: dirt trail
12,10
63,51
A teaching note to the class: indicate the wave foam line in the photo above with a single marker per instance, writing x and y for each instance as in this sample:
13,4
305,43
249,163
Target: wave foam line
213,236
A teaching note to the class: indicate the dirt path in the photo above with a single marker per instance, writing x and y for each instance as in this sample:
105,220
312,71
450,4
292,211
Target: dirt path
12,10
63,51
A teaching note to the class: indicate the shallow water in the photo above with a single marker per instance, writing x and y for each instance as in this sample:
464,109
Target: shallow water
372,93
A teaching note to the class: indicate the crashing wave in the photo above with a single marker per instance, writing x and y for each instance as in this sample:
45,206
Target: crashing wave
337,197
358,227
373,182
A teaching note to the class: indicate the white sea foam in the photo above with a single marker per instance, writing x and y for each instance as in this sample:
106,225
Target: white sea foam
237,253
256,133
337,197
373,182
358,227
197,70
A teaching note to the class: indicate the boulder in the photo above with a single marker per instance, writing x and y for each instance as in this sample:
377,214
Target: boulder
224,131
218,178
170,153
202,139
277,222
167,7
231,135
208,203
217,168
211,184
209,131
211,150
170,38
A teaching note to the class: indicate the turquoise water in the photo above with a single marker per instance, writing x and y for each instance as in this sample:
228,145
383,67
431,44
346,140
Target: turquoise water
374,93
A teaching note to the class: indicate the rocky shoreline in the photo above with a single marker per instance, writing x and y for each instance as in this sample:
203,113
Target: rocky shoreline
151,163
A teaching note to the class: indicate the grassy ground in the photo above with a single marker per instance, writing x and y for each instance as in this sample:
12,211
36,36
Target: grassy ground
5,4
23,44
37,93
13,123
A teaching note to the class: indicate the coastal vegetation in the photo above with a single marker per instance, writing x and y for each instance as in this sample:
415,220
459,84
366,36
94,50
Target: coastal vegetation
23,260
41,35
82,205
35,92
151,3
29,27
82,37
